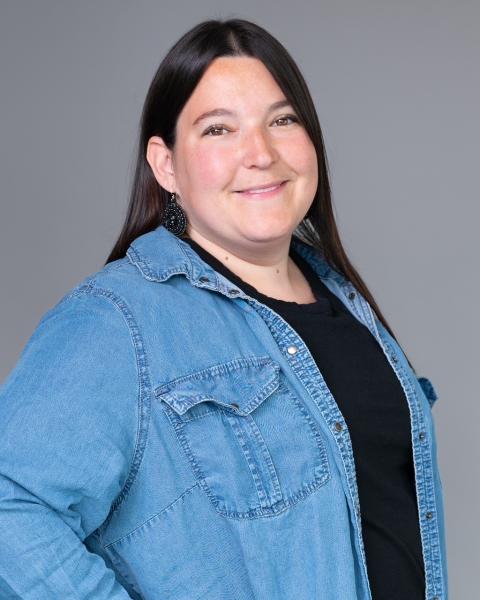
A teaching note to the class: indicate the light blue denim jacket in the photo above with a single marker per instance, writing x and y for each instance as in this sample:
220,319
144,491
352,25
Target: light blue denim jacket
165,436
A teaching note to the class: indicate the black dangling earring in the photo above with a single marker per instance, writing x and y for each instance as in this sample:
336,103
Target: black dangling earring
174,218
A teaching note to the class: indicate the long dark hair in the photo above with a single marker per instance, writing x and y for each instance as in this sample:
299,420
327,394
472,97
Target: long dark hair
173,83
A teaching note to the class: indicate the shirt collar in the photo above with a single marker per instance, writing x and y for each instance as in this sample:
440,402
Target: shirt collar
159,254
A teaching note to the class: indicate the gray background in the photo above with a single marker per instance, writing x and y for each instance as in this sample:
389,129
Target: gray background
397,91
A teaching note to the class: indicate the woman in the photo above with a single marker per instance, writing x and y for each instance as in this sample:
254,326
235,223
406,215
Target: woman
221,411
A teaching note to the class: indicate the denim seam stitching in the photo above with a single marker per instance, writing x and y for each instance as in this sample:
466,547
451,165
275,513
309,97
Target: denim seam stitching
219,369
425,479
243,445
143,386
153,517
304,491
317,439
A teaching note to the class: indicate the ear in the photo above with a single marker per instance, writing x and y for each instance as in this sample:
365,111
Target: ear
160,159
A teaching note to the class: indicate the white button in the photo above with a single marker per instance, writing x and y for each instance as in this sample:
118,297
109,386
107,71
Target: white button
292,349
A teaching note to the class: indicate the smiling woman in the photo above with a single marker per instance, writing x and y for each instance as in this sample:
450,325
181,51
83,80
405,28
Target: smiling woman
221,411
246,188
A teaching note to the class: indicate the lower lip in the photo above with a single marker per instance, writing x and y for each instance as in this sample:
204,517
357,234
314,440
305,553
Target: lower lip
261,195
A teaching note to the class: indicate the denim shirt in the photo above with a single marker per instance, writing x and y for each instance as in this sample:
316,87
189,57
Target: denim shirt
165,436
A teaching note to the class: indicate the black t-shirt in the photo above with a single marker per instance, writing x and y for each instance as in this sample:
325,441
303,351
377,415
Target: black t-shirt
374,406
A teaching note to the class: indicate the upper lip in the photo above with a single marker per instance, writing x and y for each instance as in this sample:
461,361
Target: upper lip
261,187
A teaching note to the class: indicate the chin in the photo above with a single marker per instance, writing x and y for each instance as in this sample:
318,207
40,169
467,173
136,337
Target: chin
267,236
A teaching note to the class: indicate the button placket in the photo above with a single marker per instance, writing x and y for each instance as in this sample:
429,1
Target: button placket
422,461
420,466
340,430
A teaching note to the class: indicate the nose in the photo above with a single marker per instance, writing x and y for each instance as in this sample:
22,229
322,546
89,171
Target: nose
258,149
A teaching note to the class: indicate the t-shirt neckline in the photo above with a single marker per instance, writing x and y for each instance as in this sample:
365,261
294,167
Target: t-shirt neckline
321,293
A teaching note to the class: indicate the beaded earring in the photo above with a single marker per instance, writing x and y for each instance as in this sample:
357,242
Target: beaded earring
175,219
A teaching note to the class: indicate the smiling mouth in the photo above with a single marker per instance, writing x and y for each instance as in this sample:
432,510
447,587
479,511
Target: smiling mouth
266,189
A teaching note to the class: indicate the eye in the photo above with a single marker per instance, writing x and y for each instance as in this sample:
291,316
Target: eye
214,128
292,118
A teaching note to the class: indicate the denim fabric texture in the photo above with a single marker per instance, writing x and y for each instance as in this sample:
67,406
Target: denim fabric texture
165,436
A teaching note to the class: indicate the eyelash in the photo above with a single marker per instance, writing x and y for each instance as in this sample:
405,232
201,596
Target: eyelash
216,127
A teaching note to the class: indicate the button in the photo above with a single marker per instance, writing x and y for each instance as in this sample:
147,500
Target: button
351,295
234,405
429,515
232,292
421,435
292,349
204,280
338,426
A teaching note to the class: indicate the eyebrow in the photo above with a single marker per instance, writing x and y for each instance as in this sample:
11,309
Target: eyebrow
221,112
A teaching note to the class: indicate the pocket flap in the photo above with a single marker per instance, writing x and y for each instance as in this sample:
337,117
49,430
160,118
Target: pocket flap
428,389
239,385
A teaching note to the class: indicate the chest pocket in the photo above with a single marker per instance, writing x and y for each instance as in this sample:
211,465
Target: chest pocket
253,445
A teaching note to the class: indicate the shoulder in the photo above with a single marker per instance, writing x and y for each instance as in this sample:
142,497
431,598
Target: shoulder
100,293
91,320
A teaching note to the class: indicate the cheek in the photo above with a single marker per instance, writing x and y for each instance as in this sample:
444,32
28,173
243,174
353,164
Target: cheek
212,166
302,157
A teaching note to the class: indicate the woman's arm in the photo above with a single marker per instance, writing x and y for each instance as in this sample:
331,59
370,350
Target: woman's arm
68,418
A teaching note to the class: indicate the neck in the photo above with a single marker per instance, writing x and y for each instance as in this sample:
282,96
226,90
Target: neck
272,272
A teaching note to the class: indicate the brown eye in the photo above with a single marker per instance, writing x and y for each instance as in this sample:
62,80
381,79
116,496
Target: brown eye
214,128
292,118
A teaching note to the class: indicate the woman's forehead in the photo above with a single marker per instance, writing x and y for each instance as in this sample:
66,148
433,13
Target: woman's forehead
230,84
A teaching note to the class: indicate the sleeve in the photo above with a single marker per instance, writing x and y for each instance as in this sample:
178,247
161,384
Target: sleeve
68,419
428,389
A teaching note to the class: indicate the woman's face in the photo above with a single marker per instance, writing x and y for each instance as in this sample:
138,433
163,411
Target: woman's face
254,140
